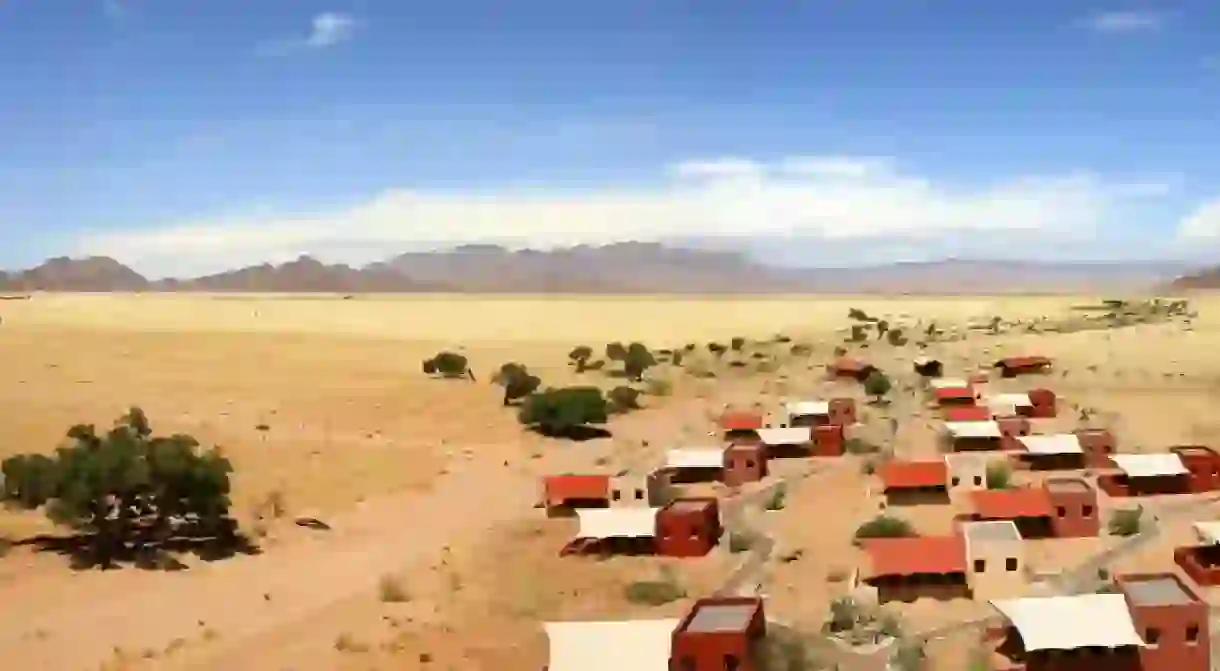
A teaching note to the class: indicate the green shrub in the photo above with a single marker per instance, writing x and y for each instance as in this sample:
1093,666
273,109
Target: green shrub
877,384
624,399
654,592
448,364
565,411
999,476
1126,522
884,526
860,446
778,498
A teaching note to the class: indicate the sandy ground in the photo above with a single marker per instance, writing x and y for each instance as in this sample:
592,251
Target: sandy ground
428,485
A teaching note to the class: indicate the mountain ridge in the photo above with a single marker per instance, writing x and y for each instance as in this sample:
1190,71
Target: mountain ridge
618,268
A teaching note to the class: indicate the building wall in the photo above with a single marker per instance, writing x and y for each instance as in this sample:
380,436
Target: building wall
842,411
1045,403
744,463
967,474
976,444
681,533
1200,562
1012,428
1084,660
707,651
907,590
828,440
1171,627
629,491
1098,445
1204,466
1076,514
1003,570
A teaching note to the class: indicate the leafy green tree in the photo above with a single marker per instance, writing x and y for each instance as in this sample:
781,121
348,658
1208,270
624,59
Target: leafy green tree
127,491
676,358
517,381
877,385
580,356
615,351
623,399
637,360
716,349
884,526
448,364
565,411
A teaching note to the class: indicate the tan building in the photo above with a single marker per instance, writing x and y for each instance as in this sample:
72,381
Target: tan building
995,560
635,490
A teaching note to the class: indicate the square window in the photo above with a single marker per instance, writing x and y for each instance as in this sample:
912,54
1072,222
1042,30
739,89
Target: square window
1010,563
1192,633
617,495
1087,511
749,463
978,481
1152,636
980,565
1061,511
956,481
639,495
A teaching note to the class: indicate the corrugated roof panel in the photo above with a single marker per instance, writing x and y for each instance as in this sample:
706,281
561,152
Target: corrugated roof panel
1071,622
617,522
695,457
1150,465
1062,443
913,556
638,645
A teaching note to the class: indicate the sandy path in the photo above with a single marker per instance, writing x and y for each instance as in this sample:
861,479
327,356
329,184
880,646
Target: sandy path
301,578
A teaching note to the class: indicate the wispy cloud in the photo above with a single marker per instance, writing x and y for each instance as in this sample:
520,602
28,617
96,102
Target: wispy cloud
1126,22
325,30
834,198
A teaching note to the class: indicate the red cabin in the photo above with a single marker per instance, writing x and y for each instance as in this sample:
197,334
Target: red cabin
563,493
829,441
719,633
1203,464
745,462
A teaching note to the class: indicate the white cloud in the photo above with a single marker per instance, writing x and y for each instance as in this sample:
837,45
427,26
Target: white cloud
1125,22
326,30
330,28
1203,224
720,198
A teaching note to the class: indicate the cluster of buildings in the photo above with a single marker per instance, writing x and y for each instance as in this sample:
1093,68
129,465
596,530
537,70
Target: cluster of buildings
1152,622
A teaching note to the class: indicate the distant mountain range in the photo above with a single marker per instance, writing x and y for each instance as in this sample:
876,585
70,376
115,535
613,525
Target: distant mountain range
628,267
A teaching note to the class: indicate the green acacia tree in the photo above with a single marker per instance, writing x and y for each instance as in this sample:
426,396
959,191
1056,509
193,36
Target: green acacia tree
564,412
126,491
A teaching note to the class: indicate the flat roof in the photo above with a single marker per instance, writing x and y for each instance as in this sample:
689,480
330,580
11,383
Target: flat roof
721,617
1001,530
1067,486
1156,591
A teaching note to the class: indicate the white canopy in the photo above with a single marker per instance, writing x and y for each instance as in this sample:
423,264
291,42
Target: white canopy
695,457
638,645
617,522
1016,400
1071,622
795,435
1208,532
803,408
1061,443
948,383
1150,465
987,429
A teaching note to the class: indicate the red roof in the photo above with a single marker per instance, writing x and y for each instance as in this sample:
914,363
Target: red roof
912,556
1009,504
954,393
967,413
913,474
741,420
559,488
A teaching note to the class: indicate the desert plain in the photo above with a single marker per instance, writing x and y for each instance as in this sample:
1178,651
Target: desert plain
435,557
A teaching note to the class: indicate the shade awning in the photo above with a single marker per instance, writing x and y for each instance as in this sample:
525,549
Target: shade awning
803,408
948,383
1071,622
989,429
695,457
617,522
795,435
1150,465
1208,532
639,645
1063,443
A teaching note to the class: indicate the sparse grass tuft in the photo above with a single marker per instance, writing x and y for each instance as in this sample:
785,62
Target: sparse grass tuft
391,590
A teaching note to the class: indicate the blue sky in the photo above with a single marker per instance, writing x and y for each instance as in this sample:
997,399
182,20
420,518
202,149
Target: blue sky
190,136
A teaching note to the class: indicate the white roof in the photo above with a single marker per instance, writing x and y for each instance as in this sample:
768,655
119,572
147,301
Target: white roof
787,436
1060,443
695,457
1208,532
1150,465
988,429
947,383
1070,622
617,522
1016,400
642,645
799,408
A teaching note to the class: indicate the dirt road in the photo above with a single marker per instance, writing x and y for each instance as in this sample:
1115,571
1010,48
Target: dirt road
247,597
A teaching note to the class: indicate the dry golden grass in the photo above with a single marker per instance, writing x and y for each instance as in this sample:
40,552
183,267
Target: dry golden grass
350,419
